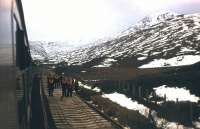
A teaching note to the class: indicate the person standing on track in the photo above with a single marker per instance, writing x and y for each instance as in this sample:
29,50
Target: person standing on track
50,86
56,81
70,87
64,86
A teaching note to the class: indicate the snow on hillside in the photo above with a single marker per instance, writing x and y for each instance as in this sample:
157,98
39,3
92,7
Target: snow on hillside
106,63
175,61
86,86
162,40
171,94
167,40
174,93
38,51
148,21
51,51
122,100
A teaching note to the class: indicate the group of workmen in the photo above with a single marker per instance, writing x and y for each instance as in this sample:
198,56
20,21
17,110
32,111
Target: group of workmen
67,84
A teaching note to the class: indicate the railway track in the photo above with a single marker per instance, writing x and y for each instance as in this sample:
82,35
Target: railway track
72,112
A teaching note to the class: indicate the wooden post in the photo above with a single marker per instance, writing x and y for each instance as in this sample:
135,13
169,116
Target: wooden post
191,112
123,86
117,83
133,90
140,91
129,88
119,86
146,94
165,98
176,100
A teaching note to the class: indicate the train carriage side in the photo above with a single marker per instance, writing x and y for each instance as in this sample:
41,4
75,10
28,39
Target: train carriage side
15,74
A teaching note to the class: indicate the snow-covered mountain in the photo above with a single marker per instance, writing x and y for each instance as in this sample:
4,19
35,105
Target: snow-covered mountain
50,51
38,51
163,40
148,21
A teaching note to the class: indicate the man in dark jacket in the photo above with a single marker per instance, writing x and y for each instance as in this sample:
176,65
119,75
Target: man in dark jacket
64,86
50,86
70,87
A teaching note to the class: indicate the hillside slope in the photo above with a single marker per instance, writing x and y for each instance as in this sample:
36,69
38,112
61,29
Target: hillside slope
163,40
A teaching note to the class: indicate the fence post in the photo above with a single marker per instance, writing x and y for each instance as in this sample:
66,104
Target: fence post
176,100
133,90
191,112
140,91
165,98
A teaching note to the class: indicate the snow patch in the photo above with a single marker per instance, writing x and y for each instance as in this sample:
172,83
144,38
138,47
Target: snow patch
141,58
174,93
175,61
37,57
184,49
124,101
155,53
106,63
198,37
96,89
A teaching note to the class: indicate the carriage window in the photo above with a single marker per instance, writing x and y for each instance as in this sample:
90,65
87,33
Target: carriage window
20,48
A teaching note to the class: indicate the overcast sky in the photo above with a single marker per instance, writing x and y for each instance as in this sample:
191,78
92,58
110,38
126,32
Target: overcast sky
88,20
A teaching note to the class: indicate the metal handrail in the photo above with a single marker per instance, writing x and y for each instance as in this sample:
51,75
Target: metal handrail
46,125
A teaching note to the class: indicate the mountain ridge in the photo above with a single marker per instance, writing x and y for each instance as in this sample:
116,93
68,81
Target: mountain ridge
173,36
